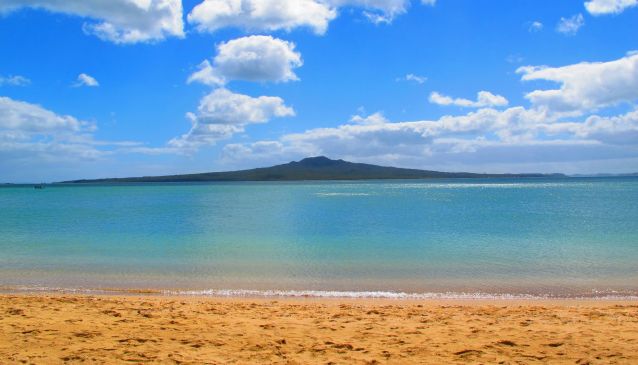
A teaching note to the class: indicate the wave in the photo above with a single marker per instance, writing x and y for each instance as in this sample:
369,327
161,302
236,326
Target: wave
247,293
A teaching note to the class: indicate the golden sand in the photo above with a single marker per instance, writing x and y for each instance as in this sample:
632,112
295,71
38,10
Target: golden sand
50,329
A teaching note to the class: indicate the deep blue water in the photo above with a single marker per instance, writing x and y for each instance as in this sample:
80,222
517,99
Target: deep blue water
537,236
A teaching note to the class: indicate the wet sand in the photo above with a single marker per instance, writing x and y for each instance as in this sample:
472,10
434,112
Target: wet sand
55,328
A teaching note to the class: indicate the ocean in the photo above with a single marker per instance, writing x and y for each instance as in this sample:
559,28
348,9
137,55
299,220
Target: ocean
458,238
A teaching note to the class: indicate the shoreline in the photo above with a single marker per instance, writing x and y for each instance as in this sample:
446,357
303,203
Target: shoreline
602,296
334,301
102,329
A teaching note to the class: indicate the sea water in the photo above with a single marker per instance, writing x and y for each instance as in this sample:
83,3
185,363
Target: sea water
558,237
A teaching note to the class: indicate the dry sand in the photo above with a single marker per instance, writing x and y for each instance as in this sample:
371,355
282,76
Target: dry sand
50,329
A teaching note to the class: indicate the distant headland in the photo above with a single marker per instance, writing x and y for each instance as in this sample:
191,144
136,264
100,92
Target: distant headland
312,168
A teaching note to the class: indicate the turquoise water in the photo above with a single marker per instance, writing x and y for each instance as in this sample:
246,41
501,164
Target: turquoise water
558,237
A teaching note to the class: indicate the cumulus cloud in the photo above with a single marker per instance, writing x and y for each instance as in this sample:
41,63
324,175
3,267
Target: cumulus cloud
86,80
585,86
225,107
487,136
118,21
570,26
603,7
617,130
262,15
223,113
253,58
483,99
272,15
14,80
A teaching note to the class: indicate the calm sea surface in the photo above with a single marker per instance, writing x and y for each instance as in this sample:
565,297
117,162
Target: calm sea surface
556,237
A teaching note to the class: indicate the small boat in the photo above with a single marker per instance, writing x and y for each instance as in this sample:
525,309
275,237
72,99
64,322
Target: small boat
39,186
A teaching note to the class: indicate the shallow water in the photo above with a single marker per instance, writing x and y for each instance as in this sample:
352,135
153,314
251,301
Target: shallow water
539,237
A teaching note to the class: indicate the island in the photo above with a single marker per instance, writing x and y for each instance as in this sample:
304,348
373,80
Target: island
312,168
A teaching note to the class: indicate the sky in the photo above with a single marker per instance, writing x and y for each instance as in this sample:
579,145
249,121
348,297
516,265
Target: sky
122,88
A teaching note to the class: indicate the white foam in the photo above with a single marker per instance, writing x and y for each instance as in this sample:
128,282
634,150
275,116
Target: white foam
234,293
385,294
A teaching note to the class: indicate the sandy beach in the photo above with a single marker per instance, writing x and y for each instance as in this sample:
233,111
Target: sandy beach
56,328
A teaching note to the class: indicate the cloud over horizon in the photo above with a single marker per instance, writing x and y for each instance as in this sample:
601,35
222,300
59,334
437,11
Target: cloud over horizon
552,130
31,134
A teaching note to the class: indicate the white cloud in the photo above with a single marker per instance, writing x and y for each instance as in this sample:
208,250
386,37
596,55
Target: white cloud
33,135
412,77
14,80
621,129
253,58
272,15
585,86
571,25
550,134
262,15
513,138
52,145
535,26
225,107
86,80
379,11
376,118
483,99
206,75
118,21
24,117
223,113
602,7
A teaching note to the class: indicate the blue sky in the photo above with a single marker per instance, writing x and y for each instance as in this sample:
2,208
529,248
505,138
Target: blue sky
139,87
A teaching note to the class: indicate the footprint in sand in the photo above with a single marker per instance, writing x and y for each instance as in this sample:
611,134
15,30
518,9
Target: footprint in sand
468,352
86,334
507,343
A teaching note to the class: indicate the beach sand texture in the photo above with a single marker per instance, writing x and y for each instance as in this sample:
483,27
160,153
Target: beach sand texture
50,329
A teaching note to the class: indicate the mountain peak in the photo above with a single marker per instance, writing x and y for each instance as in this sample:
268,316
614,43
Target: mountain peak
319,161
